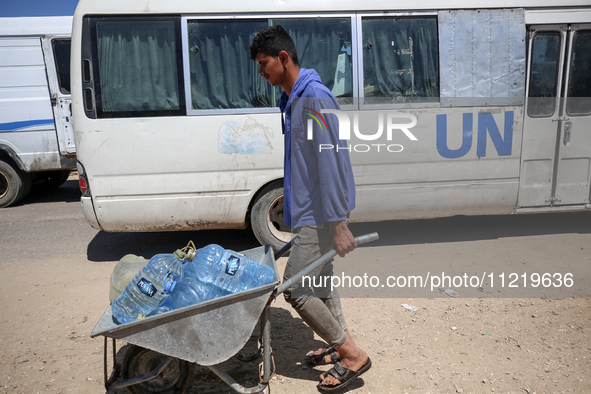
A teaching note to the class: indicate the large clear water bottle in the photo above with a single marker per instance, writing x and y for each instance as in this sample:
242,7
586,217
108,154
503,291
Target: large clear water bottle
237,273
205,263
227,270
188,291
150,286
214,272
191,291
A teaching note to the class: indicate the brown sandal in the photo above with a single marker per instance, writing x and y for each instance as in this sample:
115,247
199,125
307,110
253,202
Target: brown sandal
343,375
320,359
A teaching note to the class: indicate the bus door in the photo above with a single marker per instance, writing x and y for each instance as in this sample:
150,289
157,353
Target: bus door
556,152
56,51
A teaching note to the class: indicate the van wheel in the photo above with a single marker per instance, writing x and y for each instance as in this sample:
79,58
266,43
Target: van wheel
14,184
266,218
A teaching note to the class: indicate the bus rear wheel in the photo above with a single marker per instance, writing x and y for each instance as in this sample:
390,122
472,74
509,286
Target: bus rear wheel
14,184
266,218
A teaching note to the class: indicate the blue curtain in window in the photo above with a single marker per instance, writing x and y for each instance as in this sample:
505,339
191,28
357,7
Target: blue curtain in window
224,77
137,66
222,74
400,59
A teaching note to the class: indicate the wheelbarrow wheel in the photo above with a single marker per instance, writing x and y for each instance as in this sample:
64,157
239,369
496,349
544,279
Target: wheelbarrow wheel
175,378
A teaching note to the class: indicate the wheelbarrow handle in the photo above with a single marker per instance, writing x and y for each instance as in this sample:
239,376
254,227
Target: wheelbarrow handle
323,259
283,250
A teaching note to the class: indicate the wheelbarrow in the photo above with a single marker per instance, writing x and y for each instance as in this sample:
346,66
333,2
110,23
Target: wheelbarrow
165,347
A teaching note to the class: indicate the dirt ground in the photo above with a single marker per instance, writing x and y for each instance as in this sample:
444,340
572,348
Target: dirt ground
448,345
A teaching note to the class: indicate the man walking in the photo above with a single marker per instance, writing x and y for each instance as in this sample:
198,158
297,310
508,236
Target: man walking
319,194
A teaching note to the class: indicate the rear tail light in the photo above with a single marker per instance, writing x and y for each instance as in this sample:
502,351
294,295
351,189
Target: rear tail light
83,186
83,180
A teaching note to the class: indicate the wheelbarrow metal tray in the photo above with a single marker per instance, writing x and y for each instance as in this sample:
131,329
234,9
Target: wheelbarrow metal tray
207,333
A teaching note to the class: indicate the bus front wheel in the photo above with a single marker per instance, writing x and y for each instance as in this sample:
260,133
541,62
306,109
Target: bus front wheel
266,218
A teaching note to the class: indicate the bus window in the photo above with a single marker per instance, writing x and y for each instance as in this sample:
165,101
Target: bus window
579,87
61,52
223,76
324,44
139,71
400,59
544,74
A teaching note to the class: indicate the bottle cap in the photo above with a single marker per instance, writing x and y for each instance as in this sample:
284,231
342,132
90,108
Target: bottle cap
191,254
190,251
180,254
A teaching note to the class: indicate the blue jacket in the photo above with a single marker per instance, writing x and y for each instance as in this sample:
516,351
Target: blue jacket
318,183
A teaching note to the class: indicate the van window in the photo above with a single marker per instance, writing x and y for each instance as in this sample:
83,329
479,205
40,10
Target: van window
139,67
61,54
400,59
224,77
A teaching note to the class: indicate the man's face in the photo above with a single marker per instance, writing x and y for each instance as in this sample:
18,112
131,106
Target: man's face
271,68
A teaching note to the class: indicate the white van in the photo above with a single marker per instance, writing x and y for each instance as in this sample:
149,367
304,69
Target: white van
36,137
175,130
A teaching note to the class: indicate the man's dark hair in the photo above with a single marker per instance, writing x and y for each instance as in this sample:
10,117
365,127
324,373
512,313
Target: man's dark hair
272,40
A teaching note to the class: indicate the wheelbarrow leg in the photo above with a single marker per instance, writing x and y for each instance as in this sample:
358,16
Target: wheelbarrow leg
116,373
266,337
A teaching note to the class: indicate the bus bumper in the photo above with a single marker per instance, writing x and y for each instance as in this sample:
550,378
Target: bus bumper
88,210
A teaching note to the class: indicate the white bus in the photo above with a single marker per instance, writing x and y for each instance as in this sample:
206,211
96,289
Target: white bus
176,131
36,138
